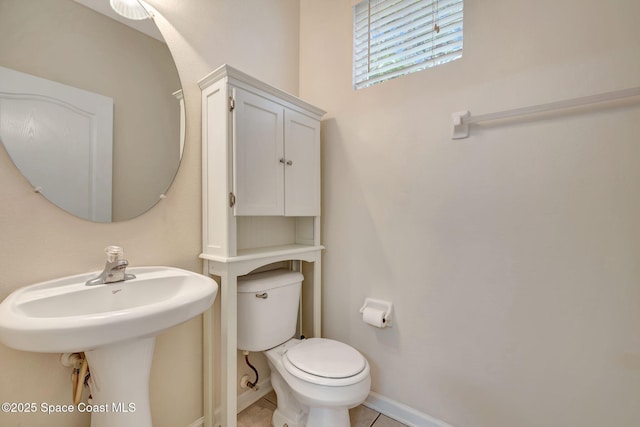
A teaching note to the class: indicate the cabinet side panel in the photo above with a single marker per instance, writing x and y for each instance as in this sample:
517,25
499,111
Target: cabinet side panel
218,224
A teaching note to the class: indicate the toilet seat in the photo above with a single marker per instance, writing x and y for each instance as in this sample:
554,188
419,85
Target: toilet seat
325,362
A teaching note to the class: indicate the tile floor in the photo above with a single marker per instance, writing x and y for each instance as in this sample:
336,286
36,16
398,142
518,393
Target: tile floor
259,415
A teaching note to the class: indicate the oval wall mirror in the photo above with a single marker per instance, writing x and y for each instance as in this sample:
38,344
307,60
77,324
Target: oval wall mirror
90,109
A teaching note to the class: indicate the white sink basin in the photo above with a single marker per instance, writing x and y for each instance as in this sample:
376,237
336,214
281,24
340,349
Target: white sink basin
115,325
65,315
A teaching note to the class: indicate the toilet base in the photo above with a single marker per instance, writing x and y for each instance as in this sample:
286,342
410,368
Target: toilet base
322,417
281,420
289,413
317,417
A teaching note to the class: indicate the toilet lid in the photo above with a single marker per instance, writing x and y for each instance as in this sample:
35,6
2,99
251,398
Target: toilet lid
326,358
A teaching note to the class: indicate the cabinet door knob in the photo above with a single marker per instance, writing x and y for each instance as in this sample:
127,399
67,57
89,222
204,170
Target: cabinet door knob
282,160
289,162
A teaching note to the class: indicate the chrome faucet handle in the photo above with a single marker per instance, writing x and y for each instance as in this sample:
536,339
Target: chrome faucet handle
114,253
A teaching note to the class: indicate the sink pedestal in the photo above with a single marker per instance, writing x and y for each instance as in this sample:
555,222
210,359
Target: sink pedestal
120,383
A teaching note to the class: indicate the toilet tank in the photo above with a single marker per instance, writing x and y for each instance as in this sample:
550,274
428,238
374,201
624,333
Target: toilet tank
267,308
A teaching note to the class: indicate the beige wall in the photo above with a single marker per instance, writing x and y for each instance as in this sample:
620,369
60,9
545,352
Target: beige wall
511,256
40,242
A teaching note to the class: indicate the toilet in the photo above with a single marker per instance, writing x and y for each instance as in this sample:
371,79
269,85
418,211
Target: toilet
316,380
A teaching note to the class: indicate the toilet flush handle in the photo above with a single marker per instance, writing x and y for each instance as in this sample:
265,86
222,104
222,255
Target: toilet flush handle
263,295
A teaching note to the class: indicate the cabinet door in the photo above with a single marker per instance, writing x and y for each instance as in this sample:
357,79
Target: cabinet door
302,169
258,151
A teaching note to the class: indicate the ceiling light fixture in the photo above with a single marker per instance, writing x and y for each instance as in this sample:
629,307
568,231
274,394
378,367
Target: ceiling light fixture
131,9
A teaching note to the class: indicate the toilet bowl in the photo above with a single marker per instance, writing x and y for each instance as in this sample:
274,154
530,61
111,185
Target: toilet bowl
322,394
316,380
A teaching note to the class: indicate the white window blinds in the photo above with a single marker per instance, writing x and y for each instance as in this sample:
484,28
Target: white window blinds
392,38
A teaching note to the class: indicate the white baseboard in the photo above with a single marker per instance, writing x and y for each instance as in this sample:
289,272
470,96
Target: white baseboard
401,412
249,397
245,399
198,423
375,401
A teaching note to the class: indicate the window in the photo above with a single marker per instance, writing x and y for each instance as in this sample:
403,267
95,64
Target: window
392,38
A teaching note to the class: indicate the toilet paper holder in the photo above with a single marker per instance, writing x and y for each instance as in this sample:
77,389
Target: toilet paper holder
379,305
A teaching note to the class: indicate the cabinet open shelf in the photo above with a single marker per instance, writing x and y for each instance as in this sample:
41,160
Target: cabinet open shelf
283,253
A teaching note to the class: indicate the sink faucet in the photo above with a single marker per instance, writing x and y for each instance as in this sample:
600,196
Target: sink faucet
114,268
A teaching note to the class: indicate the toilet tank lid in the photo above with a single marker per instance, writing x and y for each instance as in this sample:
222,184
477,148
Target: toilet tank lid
268,280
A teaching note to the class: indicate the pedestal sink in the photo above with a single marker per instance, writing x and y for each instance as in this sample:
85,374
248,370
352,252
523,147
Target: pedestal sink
114,324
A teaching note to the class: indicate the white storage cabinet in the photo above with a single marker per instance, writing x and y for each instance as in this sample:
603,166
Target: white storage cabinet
261,204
